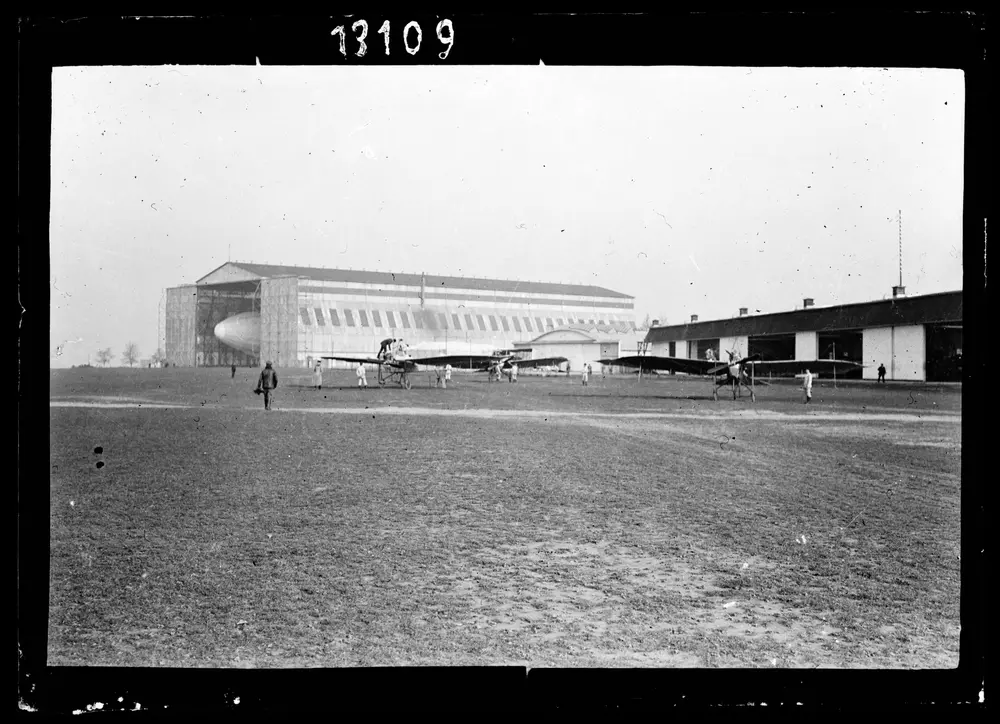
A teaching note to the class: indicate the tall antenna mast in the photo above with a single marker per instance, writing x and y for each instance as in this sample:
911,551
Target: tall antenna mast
900,217
900,291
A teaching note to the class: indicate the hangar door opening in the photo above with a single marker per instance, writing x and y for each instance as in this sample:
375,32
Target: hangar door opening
944,352
216,303
844,345
707,348
772,346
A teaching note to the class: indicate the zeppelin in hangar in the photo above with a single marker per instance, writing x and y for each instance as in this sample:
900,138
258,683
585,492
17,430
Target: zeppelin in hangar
241,332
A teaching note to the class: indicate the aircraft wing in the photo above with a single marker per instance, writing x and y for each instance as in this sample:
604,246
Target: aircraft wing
675,364
460,361
795,367
723,366
362,360
536,362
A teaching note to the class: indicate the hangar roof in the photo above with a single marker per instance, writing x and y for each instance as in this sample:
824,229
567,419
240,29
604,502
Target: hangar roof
237,270
925,309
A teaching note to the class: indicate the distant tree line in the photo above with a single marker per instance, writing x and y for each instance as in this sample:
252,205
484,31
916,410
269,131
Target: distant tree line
130,356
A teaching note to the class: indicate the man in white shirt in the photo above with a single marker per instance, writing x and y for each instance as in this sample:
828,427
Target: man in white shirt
807,385
360,372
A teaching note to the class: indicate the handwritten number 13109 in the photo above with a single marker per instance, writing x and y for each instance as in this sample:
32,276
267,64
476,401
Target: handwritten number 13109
412,29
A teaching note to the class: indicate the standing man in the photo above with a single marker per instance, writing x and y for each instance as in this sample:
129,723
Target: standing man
513,372
318,376
807,385
383,351
583,375
447,375
233,368
360,372
590,370
267,383
881,373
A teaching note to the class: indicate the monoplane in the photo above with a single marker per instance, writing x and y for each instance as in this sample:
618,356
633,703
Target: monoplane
395,365
738,373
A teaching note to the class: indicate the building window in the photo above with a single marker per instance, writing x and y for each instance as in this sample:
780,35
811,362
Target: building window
305,316
482,322
418,320
363,316
334,318
443,320
672,350
517,324
539,327
406,319
349,316
454,322
391,319
493,323
591,321
468,323
320,320
376,318
527,324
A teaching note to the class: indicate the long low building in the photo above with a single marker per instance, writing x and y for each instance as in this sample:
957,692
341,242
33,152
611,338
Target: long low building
917,338
241,313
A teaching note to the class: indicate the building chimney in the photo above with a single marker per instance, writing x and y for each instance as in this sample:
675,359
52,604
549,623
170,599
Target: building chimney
655,323
743,311
807,302
694,317
899,291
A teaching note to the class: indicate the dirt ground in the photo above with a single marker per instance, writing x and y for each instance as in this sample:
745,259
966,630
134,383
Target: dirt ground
539,524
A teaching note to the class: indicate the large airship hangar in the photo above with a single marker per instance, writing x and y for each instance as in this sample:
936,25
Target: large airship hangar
243,313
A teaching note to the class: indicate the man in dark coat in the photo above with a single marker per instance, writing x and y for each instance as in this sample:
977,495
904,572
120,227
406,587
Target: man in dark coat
384,348
267,384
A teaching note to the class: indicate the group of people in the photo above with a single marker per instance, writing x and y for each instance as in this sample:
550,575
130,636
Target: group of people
267,383
443,377
391,348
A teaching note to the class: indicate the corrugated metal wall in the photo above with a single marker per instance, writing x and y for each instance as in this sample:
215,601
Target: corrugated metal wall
180,325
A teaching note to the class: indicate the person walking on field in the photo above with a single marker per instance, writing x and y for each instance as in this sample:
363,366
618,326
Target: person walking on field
267,383
234,372
881,373
807,385
360,372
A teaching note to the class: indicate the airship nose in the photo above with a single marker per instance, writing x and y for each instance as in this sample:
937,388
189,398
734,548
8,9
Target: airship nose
220,331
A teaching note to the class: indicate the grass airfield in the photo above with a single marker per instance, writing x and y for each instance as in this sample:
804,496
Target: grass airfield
623,524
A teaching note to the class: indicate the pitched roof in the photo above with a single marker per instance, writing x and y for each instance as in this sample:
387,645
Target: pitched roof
432,281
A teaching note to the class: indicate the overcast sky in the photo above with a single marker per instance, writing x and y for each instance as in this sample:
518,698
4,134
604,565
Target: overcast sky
696,190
